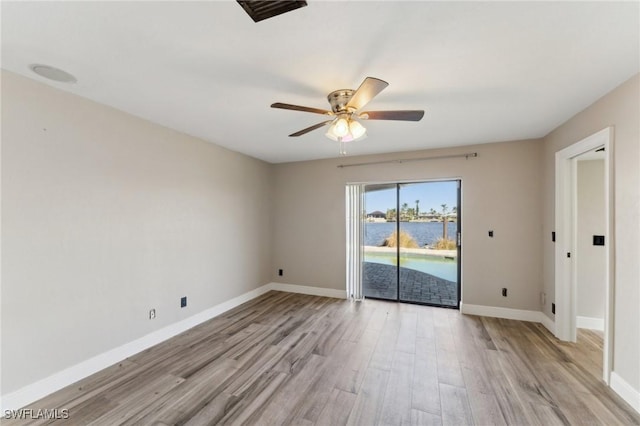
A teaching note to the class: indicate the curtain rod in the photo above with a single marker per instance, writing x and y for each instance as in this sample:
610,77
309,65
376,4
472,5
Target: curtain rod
408,160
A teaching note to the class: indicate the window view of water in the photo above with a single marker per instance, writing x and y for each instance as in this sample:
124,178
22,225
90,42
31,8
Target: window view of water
423,233
427,268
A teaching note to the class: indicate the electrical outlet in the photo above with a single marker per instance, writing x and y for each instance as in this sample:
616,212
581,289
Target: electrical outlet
491,234
183,302
152,314
504,292
280,272
553,308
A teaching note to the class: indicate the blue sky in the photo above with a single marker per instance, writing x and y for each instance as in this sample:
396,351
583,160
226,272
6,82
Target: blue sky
430,194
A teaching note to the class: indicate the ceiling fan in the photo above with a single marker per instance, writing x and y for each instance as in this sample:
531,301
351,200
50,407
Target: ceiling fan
346,110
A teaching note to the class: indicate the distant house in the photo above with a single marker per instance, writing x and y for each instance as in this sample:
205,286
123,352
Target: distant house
376,216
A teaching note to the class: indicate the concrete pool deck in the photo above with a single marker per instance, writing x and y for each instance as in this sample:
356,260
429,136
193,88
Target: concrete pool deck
379,281
426,252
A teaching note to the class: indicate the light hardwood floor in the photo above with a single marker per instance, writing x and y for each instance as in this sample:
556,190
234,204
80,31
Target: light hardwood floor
295,359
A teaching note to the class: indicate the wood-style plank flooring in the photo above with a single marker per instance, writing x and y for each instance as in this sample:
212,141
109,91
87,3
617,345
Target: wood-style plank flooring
302,360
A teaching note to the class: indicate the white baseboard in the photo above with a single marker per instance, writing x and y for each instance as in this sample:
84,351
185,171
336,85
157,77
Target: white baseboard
548,323
509,313
626,391
57,381
312,291
590,323
497,312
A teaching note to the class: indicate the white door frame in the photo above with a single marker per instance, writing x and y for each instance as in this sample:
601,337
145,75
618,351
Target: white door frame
565,225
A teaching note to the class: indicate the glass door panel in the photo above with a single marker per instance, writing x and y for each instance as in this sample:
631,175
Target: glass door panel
428,249
380,277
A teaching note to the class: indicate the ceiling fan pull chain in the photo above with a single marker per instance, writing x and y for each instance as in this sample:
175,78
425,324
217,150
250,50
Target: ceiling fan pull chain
343,147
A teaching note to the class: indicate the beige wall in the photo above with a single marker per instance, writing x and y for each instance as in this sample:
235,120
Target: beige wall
620,109
591,221
105,216
501,191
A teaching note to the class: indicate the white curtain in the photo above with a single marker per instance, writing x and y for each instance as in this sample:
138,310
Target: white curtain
355,208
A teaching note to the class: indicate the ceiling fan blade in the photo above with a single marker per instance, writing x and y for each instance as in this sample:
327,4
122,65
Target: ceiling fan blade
407,115
310,129
369,88
301,108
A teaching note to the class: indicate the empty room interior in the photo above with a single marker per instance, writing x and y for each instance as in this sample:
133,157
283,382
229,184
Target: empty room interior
320,212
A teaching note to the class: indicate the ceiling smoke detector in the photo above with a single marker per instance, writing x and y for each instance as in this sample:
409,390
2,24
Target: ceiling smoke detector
53,73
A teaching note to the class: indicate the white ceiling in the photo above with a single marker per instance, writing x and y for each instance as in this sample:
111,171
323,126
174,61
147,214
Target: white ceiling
484,72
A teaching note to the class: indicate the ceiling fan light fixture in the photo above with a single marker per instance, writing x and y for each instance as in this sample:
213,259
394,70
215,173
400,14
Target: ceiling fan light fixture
341,127
356,129
331,134
347,138
345,129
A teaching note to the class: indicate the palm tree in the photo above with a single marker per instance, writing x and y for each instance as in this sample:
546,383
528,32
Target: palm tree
454,211
391,215
417,208
403,211
444,221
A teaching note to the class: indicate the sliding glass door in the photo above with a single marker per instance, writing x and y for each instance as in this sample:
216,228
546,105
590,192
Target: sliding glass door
379,275
410,244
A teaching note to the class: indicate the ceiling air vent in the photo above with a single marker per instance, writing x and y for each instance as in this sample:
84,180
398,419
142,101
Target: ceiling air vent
260,9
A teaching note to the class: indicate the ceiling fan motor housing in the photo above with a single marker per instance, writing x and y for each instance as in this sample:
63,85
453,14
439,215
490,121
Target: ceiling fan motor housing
339,99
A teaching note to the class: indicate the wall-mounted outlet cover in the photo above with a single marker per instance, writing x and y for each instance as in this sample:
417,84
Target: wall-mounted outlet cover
152,314
183,302
553,308
491,234
504,292
280,272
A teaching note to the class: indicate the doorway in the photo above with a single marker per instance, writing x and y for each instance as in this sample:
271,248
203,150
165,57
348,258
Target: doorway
590,240
567,242
411,242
